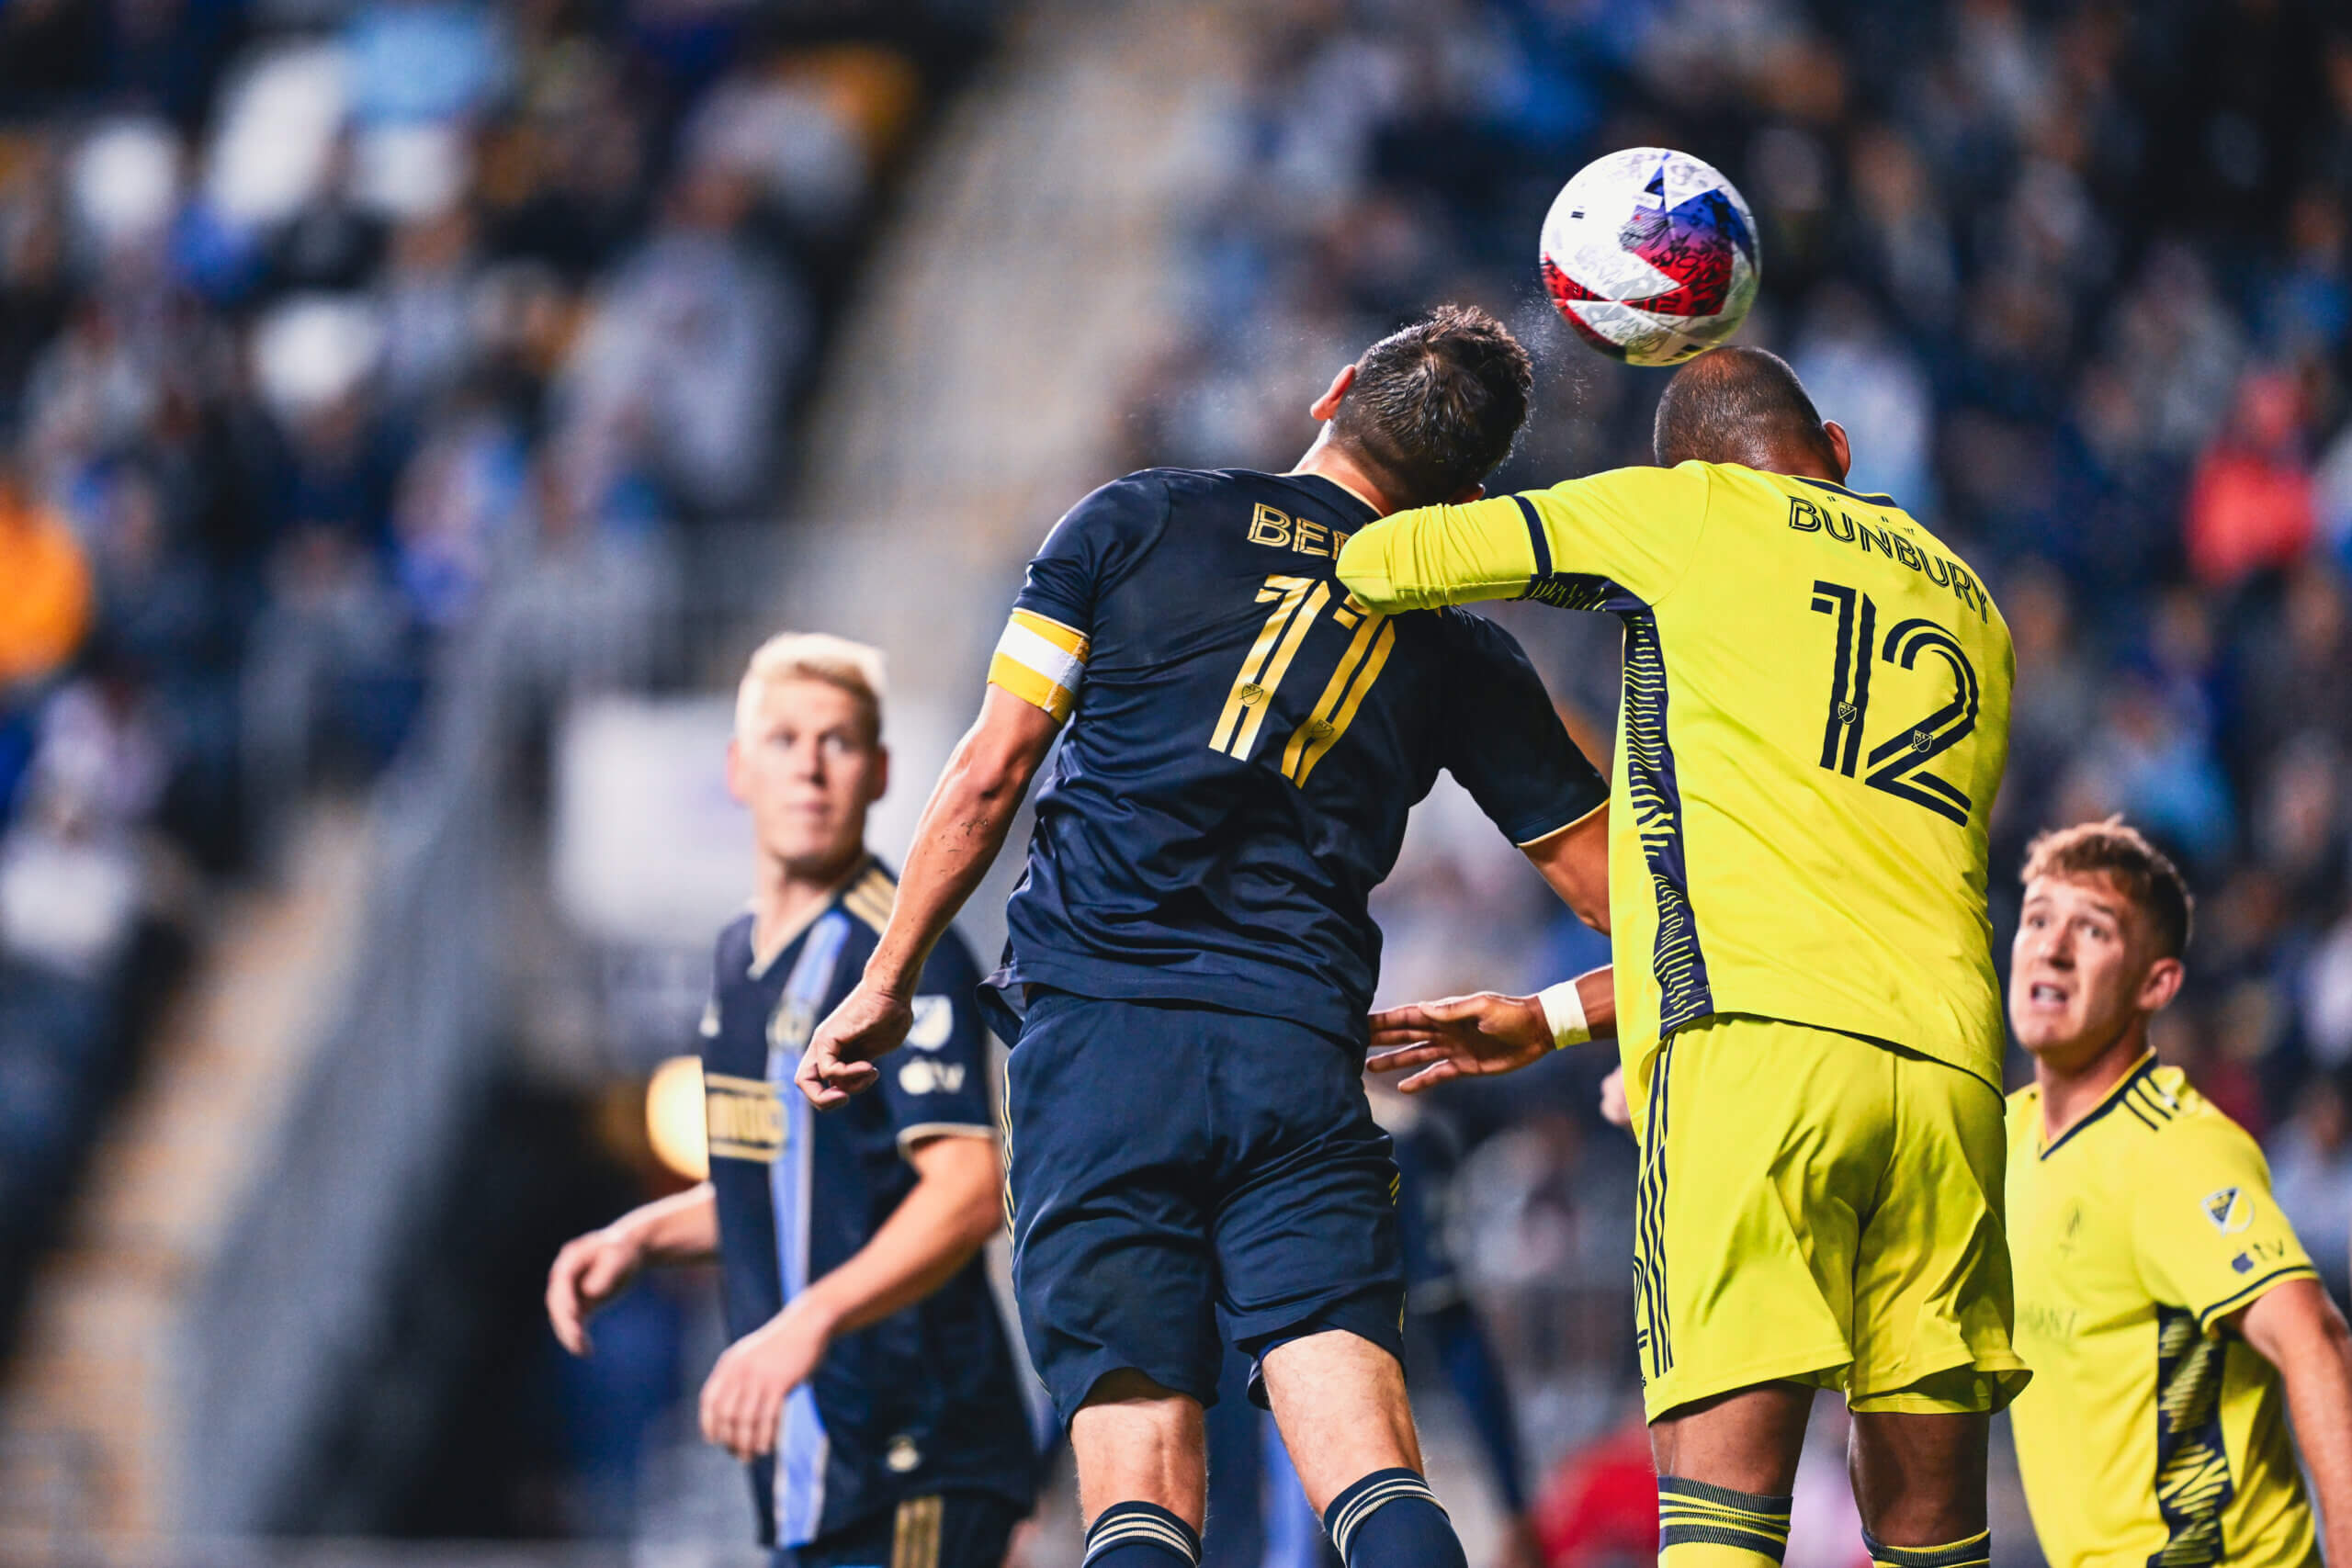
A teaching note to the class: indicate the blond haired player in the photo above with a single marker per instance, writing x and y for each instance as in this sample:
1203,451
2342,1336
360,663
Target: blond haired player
2170,1314
870,1389
1815,720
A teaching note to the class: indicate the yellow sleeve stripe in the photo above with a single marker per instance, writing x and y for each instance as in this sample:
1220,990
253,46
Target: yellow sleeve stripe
871,899
1040,661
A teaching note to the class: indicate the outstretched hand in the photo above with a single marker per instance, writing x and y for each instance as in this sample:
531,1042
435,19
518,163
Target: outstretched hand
838,1061
1459,1037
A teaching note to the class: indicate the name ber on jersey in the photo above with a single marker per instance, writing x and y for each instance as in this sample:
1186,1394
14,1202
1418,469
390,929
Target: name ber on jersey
1278,530
1805,517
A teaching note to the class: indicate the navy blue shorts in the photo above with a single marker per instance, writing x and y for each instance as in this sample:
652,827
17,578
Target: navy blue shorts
1182,1177
945,1530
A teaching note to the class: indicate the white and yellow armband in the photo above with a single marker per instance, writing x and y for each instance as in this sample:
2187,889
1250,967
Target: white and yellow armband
1564,1013
1041,661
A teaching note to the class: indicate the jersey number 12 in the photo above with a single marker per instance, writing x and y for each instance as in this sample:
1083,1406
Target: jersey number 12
1899,764
1297,601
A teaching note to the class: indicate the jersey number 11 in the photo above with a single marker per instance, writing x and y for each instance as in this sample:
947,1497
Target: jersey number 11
1297,601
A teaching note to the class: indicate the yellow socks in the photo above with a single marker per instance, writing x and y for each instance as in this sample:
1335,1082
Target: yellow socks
1701,1525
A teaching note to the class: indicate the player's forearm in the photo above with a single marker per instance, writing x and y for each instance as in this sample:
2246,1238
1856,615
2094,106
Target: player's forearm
2297,1329
933,1232
959,836
683,1228
1597,989
1440,555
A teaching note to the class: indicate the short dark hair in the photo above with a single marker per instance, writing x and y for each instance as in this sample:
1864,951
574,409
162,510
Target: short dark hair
1737,405
1437,407
2143,873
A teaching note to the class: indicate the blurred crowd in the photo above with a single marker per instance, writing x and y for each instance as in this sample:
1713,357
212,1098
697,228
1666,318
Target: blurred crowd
2074,275
323,321
320,322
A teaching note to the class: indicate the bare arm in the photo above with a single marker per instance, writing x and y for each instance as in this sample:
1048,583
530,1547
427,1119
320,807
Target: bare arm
1489,1032
2298,1330
933,1233
1475,1035
961,831
1575,861
594,1269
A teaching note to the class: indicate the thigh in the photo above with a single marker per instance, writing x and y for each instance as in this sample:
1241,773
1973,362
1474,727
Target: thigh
1933,1309
1306,1228
1107,1141
1763,1146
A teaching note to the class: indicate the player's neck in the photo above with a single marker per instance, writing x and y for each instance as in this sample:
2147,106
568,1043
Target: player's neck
1799,463
1333,463
2069,1096
790,895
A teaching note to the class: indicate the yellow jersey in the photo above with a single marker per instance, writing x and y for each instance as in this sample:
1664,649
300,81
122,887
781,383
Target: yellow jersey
2148,1435
1815,718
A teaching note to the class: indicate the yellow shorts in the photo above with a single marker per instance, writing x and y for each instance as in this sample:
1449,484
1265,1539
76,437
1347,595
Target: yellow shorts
1815,1208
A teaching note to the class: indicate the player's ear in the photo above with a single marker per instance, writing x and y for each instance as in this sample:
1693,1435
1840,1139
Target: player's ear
1323,407
880,785
2161,984
738,785
1839,448
1467,496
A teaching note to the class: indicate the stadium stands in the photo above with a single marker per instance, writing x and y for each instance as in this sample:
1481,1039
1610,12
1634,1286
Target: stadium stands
326,324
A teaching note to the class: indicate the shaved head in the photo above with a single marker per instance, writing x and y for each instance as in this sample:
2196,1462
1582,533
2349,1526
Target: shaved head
1743,405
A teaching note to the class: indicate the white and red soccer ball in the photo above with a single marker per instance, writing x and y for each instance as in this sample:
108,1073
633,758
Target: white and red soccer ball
1650,255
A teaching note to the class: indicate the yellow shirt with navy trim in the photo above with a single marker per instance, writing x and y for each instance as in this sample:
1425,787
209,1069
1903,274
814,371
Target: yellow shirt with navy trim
2150,1434
1814,724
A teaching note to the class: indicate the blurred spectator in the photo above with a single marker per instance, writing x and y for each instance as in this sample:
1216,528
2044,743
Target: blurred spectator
2311,1171
1599,1508
46,607
2250,505
681,365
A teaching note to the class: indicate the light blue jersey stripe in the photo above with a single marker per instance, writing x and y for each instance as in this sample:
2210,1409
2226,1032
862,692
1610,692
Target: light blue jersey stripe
802,1448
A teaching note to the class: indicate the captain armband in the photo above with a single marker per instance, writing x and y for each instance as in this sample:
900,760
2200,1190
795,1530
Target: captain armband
1041,661
1564,1014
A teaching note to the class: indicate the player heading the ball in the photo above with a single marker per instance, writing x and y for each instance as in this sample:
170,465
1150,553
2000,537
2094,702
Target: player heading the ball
1191,1155
1814,724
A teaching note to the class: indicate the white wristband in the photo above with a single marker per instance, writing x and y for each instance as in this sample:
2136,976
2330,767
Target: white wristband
1563,1012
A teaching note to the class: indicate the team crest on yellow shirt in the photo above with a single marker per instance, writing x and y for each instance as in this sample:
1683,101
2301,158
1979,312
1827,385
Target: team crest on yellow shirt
2070,1229
2229,1210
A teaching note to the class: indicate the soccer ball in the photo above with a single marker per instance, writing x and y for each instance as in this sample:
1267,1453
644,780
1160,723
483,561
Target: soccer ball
1651,256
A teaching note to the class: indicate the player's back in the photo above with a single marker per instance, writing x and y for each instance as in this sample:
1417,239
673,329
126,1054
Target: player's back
1836,699
1816,722
1244,746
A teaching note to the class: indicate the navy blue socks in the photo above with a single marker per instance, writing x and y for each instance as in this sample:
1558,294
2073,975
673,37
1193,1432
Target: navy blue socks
1140,1534
1391,1519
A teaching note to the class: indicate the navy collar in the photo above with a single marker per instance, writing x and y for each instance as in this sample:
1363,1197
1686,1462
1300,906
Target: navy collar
1339,494
2114,1097
1841,489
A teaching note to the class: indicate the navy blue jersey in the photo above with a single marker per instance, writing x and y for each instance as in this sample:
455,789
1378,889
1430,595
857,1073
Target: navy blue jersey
927,1399
1244,742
